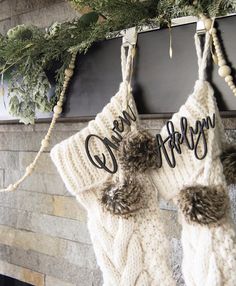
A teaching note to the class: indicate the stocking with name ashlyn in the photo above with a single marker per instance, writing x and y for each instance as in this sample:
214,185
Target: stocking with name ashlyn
191,174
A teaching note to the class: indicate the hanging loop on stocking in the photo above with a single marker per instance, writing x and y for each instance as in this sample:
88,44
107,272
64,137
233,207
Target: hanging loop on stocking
202,55
129,41
127,61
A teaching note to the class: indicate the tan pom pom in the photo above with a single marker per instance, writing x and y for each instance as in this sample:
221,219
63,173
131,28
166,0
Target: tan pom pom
69,72
57,109
122,199
203,205
224,71
228,159
137,152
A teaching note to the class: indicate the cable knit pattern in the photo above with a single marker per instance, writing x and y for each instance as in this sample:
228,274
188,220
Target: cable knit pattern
130,251
209,253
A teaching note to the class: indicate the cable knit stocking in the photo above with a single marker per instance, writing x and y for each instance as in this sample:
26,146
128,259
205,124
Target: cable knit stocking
199,189
131,251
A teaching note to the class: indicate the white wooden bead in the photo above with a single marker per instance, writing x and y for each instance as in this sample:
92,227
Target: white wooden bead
221,62
66,79
55,115
29,169
207,23
215,40
57,109
234,90
219,52
219,55
232,86
228,78
59,103
45,143
65,84
224,71
69,72
71,66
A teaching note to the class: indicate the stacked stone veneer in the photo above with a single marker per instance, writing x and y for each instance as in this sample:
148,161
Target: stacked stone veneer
41,13
43,234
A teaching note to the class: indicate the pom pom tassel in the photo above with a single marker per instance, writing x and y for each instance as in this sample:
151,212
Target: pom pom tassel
202,204
137,152
228,159
122,199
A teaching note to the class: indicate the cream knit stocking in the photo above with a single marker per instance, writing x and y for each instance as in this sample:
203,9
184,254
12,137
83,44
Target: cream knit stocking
131,251
209,250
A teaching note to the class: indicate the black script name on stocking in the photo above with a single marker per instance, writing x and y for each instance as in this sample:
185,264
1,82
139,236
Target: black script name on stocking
118,128
190,136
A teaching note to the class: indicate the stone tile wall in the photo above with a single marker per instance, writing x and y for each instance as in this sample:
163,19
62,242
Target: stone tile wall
43,233
41,13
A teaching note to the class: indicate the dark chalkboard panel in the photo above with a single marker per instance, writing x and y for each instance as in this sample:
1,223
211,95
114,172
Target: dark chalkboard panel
160,84
8,281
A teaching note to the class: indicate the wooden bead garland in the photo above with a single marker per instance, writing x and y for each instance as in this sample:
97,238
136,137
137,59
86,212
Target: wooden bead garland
46,141
224,70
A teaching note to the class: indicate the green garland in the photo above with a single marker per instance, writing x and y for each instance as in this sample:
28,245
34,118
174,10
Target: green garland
27,53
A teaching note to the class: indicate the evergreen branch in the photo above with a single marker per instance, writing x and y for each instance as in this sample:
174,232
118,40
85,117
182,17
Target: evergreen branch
28,53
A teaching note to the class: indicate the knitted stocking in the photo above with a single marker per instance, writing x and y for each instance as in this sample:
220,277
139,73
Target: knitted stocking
199,189
130,249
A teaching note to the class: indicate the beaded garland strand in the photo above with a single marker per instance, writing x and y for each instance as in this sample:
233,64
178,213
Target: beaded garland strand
228,156
46,141
224,70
